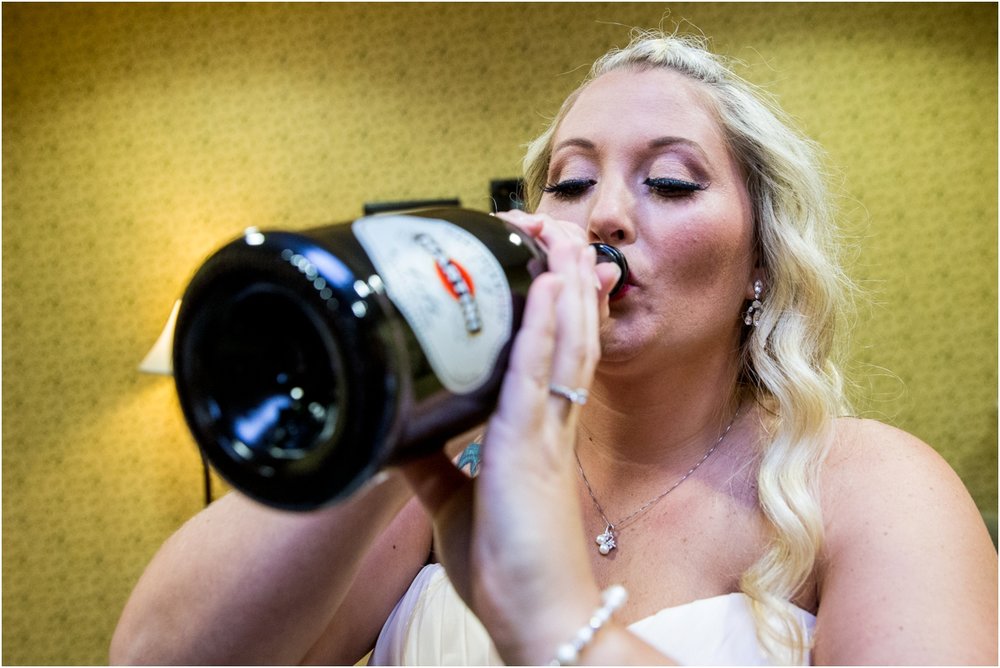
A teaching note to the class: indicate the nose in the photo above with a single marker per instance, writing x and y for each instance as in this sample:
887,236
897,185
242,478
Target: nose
611,216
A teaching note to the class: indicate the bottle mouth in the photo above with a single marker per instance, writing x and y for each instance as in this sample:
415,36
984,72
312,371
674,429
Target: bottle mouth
275,374
606,253
266,378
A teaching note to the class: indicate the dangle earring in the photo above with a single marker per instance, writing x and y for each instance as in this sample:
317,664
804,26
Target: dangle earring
752,316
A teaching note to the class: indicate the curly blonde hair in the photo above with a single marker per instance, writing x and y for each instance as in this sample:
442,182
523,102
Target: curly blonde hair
786,363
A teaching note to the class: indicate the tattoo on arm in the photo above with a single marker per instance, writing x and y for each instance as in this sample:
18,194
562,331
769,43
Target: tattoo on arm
470,457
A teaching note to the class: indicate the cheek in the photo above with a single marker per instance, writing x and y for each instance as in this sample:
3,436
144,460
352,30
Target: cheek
711,255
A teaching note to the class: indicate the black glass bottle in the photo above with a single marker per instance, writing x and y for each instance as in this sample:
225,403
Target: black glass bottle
307,361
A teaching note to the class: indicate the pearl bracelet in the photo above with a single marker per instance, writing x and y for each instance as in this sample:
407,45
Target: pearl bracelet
612,599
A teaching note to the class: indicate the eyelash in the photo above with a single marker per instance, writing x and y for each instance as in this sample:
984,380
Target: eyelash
569,188
667,187
664,187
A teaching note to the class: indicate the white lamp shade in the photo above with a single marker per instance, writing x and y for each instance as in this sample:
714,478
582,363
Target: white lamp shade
160,358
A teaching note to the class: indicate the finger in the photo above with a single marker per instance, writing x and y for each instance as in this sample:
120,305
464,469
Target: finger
530,368
516,433
554,230
543,227
593,300
529,224
576,334
549,232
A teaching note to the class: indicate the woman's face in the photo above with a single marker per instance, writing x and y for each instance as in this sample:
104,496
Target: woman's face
641,163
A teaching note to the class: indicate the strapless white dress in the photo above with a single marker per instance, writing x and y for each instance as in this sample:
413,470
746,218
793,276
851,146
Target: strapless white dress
431,626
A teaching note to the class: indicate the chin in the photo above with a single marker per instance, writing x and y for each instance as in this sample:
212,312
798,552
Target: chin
617,349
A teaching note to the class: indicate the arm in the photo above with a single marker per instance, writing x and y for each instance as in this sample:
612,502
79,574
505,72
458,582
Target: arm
909,575
354,628
241,583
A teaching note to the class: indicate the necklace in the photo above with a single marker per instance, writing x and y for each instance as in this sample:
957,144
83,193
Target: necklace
606,540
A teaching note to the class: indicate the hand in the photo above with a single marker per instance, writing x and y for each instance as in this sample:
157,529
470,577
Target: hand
512,539
547,229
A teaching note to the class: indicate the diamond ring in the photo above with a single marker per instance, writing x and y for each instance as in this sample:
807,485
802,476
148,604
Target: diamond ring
577,396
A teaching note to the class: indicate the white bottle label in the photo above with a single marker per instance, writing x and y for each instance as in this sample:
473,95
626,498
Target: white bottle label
450,288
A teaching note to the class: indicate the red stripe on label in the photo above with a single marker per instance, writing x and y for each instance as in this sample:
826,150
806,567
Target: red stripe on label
447,284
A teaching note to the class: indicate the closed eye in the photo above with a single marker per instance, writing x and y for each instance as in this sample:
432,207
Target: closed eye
569,188
667,187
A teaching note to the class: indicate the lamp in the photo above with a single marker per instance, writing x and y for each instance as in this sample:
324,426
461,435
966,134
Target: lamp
159,359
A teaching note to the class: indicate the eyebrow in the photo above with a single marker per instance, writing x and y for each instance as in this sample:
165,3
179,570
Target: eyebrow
578,142
662,142
659,142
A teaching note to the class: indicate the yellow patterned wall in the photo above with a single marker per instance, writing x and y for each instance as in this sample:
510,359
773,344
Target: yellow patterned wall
137,138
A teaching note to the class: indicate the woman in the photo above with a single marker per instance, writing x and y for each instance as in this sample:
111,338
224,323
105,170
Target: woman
682,440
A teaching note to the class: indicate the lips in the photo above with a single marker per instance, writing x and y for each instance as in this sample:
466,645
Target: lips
620,295
628,286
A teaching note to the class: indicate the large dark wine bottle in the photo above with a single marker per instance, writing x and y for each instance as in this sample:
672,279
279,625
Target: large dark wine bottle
305,362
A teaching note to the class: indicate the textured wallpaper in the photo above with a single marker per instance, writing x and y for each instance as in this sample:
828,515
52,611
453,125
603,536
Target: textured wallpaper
137,138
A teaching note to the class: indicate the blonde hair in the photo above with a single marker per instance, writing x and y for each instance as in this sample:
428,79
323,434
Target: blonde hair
786,363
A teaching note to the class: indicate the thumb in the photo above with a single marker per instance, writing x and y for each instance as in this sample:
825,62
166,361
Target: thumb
608,274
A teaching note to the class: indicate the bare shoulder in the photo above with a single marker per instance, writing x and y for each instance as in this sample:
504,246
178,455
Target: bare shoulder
908,571
867,453
879,476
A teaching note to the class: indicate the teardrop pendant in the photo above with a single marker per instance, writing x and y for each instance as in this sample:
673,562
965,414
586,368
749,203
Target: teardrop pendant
606,541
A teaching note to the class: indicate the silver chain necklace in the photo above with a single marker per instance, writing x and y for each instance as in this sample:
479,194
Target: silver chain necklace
606,540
